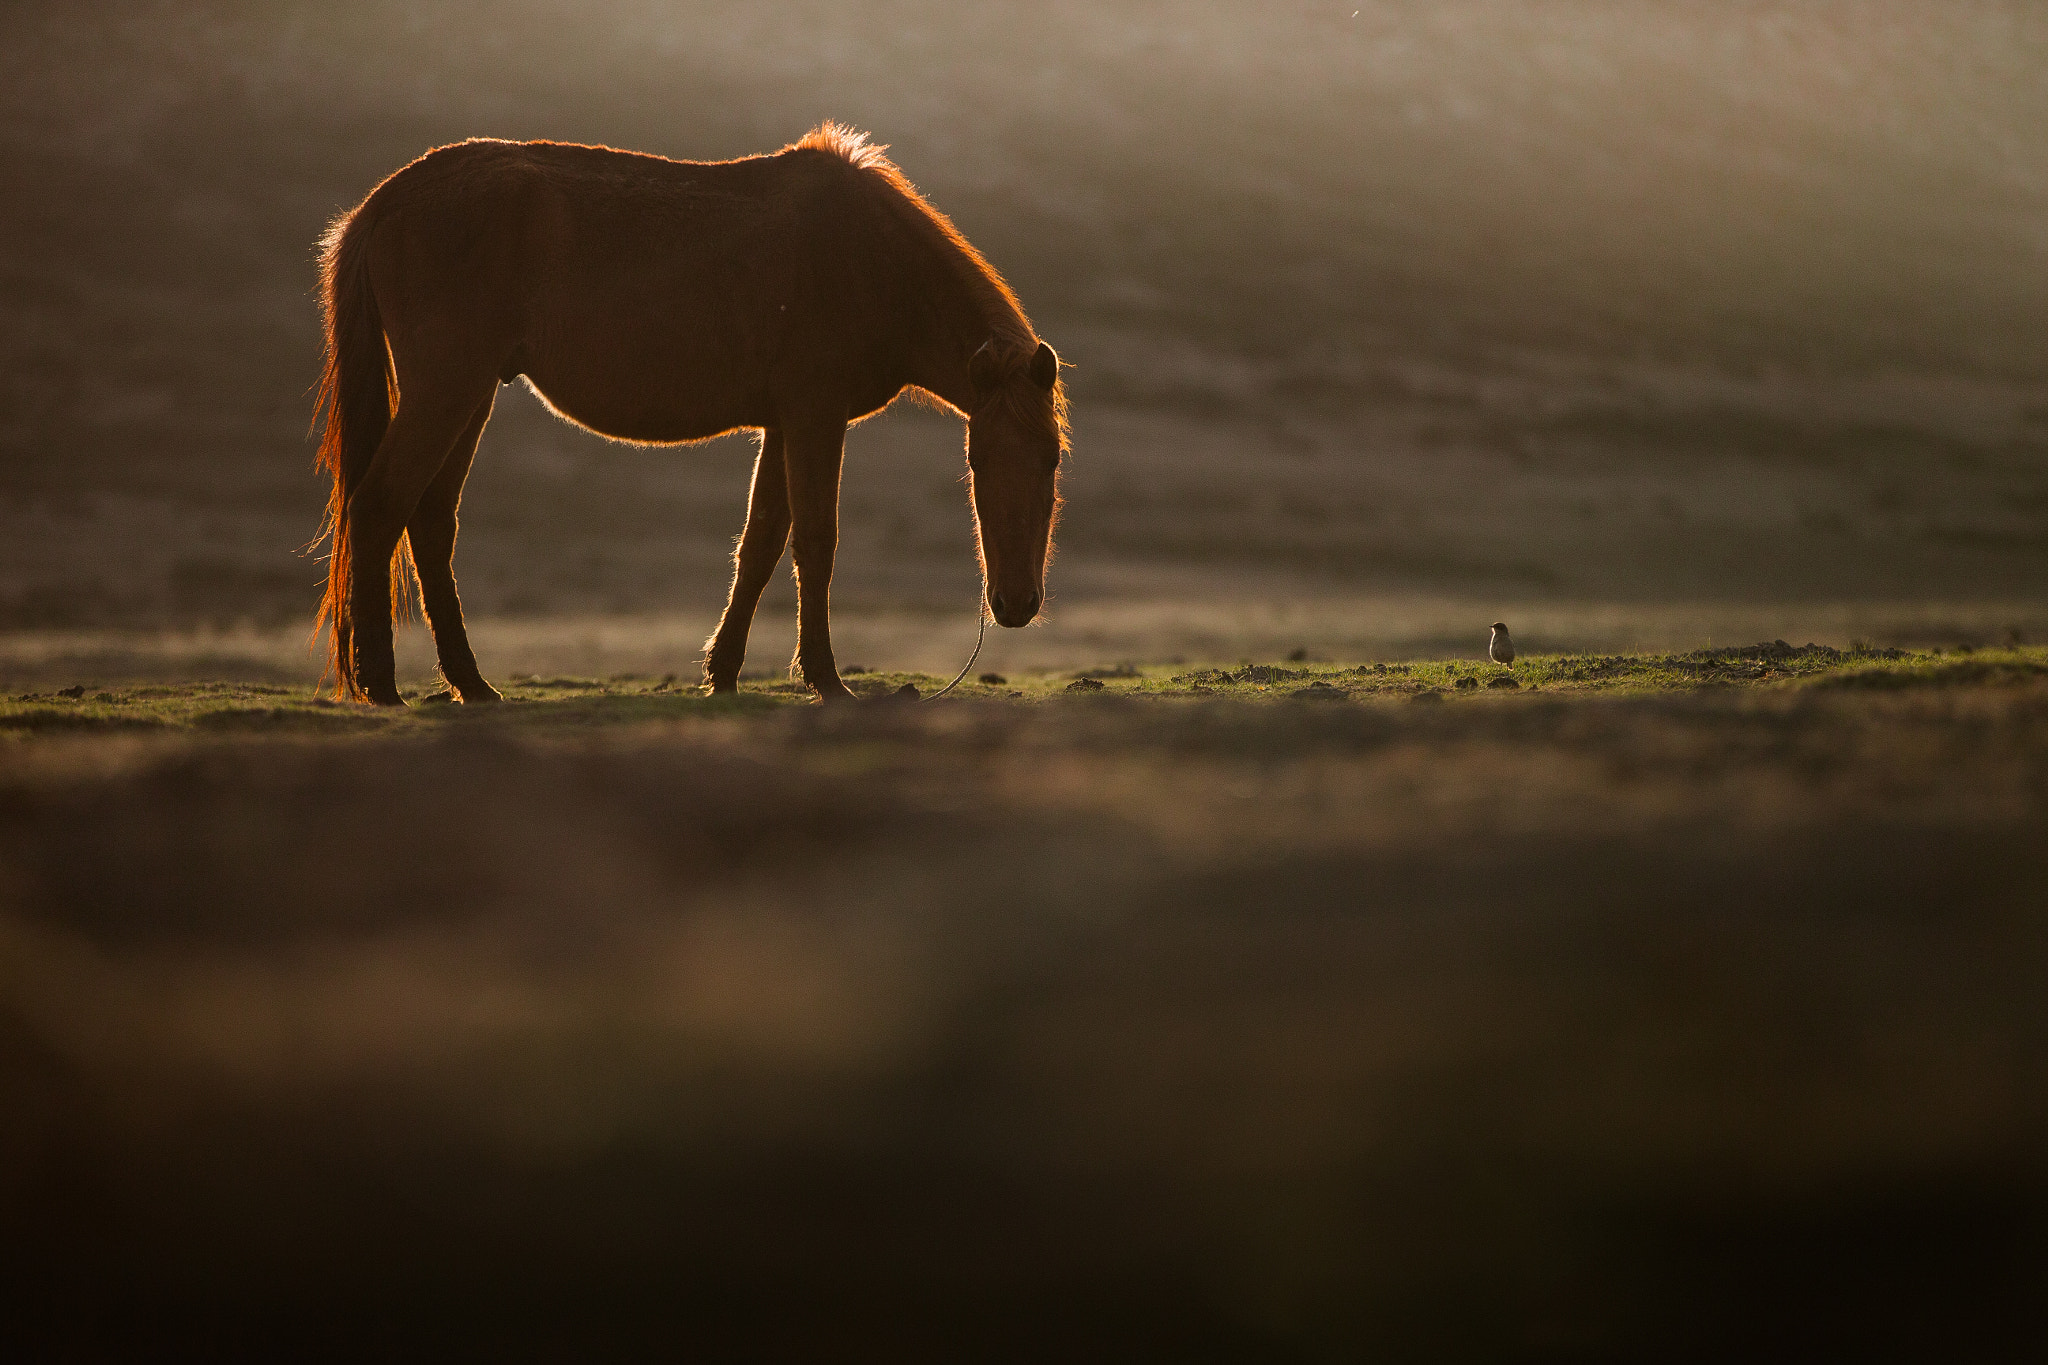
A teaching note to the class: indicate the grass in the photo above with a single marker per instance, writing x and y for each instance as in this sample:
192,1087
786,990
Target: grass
570,702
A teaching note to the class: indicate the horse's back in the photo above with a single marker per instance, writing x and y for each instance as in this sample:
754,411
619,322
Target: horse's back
582,216
648,298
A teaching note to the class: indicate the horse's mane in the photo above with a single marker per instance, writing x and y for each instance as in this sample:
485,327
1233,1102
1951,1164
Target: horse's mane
848,144
991,293
997,301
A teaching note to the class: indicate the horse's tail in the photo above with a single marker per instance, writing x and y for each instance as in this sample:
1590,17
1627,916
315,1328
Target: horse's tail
356,395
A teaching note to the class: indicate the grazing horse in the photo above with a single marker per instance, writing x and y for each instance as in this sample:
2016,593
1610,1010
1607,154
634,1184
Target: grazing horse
662,302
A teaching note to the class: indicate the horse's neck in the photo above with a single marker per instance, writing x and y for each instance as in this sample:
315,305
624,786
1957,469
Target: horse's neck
942,363
962,313
944,356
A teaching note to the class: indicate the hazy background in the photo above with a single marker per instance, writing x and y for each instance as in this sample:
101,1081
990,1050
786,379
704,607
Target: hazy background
1638,324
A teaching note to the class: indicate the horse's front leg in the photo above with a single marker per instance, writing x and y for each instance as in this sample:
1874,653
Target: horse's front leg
811,455
760,550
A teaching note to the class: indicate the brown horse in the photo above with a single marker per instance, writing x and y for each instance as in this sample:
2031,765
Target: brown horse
662,302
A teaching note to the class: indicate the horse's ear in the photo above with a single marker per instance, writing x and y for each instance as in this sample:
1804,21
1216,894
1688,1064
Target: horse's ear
985,369
1045,366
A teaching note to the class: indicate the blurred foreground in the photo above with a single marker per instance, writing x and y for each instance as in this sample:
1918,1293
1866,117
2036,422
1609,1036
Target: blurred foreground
1693,1018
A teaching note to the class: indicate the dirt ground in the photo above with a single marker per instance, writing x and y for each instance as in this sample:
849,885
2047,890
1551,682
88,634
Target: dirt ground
1676,1008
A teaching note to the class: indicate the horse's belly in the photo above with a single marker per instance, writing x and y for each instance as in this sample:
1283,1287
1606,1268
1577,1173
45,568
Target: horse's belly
654,394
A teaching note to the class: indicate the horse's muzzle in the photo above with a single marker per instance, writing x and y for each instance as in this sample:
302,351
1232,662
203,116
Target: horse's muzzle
1017,614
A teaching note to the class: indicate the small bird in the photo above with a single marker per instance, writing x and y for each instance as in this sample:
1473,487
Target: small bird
1500,648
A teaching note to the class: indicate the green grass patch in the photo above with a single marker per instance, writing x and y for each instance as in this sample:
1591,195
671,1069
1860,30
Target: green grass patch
573,703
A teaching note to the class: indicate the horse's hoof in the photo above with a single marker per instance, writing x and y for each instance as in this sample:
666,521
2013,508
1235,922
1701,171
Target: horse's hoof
479,695
836,695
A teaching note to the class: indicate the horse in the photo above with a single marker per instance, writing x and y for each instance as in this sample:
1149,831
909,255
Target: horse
662,302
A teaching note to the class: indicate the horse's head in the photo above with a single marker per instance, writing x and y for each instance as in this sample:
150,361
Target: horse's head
1016,435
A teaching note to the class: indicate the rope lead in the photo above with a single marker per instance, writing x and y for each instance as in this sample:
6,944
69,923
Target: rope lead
981,632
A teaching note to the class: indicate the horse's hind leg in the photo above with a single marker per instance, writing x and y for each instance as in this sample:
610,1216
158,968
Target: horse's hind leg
415,447
811,457
432,535
760,550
